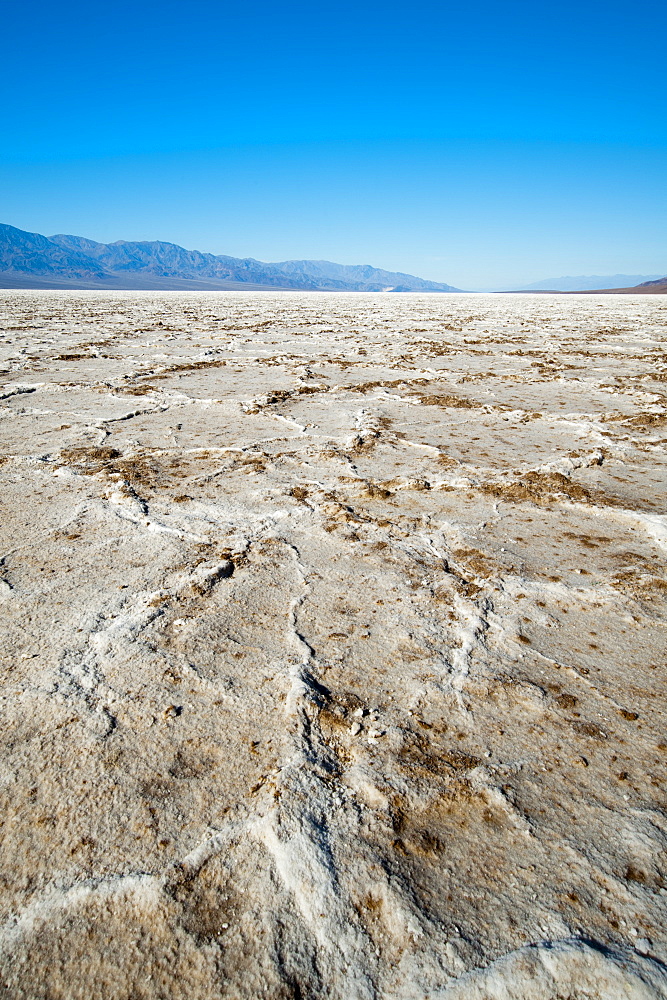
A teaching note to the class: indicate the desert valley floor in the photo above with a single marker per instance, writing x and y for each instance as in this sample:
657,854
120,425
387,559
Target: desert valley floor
333,646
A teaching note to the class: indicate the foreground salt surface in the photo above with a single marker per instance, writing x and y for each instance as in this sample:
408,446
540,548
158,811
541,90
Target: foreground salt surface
333,646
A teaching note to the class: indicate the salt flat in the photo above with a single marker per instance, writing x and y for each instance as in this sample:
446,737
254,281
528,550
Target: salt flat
333,646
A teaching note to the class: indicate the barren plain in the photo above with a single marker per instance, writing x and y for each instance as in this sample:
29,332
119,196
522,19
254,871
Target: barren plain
333,646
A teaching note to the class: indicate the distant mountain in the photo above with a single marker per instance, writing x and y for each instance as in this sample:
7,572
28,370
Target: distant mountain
362,277
30,253
28,260
659,283
585,283
658,287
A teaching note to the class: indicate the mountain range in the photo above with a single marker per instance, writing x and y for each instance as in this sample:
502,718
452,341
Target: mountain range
29,260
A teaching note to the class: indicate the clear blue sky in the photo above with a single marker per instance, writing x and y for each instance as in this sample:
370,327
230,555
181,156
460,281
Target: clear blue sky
483,145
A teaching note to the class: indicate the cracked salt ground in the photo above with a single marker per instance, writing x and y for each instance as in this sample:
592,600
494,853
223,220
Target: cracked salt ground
333,646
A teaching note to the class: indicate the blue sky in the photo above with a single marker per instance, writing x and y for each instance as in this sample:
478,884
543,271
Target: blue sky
482,145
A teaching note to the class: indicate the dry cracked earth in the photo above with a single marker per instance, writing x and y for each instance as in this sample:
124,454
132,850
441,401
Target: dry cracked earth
333,646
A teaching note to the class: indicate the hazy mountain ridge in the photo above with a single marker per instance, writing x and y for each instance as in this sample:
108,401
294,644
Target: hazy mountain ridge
361,274
589,282
26,257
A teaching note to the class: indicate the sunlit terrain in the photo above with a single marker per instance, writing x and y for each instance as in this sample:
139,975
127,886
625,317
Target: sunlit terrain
333,646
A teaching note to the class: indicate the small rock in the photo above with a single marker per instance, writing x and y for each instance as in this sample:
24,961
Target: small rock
643,946
355,728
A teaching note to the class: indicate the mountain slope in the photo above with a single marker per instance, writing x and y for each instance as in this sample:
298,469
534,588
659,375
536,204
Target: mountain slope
657,287
360,277
167,260
659,283
585,283
32,260
30,253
